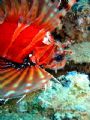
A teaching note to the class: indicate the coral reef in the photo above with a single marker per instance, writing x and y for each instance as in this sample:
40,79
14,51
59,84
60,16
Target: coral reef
77,26
66,98
81,52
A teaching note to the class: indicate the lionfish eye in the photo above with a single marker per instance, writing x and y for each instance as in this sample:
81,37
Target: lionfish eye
58,58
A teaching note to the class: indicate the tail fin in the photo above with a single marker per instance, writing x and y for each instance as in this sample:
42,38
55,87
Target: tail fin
16,82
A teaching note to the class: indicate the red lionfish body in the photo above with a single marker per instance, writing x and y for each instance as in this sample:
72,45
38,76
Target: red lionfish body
26,44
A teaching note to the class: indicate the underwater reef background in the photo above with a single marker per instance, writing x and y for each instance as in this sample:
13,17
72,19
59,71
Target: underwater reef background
67,97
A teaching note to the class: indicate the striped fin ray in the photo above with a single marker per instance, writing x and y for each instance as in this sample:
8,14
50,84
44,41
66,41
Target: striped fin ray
39,12
45,11
52,18
2,14
13,9
17,82
41,16
33,12
20,9
23,10
10,8
49,11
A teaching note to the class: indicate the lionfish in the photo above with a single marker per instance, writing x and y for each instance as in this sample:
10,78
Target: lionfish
27,47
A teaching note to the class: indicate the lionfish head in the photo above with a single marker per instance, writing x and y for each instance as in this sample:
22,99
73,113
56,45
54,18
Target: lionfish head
54,56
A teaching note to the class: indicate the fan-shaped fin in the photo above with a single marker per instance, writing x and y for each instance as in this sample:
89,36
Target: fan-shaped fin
16,82
35,11
49,11
10,9
41,17
24,8
32,14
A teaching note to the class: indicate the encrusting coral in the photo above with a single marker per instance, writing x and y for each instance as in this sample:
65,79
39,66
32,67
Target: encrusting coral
67,98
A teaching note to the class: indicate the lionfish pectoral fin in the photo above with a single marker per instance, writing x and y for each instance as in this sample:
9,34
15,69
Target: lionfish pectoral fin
17,82
32,14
